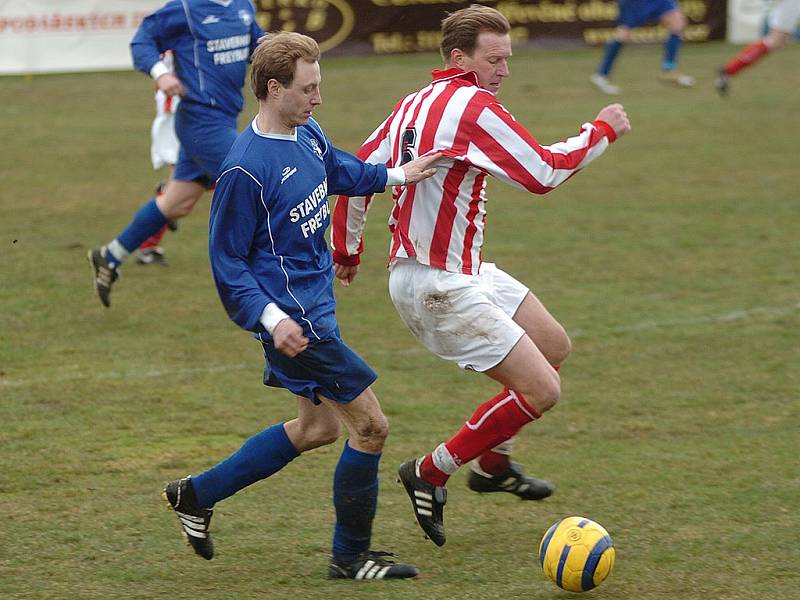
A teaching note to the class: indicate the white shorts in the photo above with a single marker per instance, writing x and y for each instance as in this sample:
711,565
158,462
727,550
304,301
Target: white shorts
785,16
466,319
164,144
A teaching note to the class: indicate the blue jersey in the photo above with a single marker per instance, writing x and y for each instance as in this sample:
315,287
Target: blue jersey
268,221
211,41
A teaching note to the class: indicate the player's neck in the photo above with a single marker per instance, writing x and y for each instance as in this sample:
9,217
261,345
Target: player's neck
268,121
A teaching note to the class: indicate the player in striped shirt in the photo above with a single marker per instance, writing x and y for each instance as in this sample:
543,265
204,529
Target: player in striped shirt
274,274
211,42
782,20
462,309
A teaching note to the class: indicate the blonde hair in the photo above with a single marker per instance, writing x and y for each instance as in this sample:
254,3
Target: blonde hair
460,29
275,58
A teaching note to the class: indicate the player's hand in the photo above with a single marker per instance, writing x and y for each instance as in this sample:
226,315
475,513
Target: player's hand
345,274
615,115
170,85
420,168
288,338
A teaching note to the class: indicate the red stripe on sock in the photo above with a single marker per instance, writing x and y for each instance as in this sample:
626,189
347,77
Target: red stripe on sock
495,421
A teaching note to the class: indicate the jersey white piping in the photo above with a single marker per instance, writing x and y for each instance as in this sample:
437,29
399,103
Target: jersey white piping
195,49
272,241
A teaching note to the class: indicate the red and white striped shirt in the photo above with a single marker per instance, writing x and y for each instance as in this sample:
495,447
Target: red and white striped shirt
440,220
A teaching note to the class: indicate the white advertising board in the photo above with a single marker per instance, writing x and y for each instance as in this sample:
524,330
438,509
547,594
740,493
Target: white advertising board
746,19
54,36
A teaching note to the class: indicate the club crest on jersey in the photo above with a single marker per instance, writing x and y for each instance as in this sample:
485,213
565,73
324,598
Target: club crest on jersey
315,147
246,17
287,172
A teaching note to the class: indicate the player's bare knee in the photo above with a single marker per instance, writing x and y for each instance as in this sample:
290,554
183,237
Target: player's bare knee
372,432
776,40
545,394
324,433
559,350
675,22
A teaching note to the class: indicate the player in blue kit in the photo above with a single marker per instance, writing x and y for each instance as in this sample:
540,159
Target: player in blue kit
211,43
274,274
636,13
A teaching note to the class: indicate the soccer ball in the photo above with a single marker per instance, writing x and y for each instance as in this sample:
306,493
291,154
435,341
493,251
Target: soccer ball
577,554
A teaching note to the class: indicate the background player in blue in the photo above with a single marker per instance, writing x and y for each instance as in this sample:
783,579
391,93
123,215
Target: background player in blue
635,13
211,42
274,274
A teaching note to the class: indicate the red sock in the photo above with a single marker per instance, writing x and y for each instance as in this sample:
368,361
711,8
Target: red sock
494,463
495,421
746,57
154,240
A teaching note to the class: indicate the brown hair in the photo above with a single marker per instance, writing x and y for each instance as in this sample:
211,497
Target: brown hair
275,58
460,29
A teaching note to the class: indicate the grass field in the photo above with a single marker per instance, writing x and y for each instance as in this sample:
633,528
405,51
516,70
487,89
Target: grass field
673,261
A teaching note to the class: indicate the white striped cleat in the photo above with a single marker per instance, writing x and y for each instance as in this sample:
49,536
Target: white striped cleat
371,565
512,480
103,275
194,519
427,499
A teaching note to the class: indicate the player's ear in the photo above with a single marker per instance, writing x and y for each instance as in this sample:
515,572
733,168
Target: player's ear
274,88
456,58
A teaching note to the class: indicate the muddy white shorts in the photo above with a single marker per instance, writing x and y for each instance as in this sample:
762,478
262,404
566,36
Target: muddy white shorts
785,16
466,319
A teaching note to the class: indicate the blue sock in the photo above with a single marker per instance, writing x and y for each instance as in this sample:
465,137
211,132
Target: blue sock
355,497
259,457
671,47
609,56
147,221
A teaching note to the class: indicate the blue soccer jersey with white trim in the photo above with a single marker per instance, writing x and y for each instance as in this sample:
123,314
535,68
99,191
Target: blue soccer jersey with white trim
268,221
211,42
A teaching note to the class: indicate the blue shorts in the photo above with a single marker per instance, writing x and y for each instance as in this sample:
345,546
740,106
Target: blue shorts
206,136
635,13
327,367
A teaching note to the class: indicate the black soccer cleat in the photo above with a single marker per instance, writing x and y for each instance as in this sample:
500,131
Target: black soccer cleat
371,565
427,499
104,275
194,519
152,256
513,481
722,82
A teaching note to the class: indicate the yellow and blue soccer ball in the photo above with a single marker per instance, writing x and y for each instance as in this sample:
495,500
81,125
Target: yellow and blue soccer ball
577,554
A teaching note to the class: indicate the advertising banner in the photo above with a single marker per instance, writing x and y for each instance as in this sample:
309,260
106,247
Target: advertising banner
92,35
70,35
746,19
396,26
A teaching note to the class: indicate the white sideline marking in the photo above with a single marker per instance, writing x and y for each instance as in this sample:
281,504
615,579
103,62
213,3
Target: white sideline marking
762,312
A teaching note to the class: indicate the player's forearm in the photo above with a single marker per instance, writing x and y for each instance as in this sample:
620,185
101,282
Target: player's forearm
544,168
347,230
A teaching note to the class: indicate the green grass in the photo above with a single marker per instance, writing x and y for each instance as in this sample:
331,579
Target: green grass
673,261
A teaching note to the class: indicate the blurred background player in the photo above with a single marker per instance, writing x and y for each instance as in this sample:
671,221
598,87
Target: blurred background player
274,274
636,13
463,309
164,147
211,44
782,22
